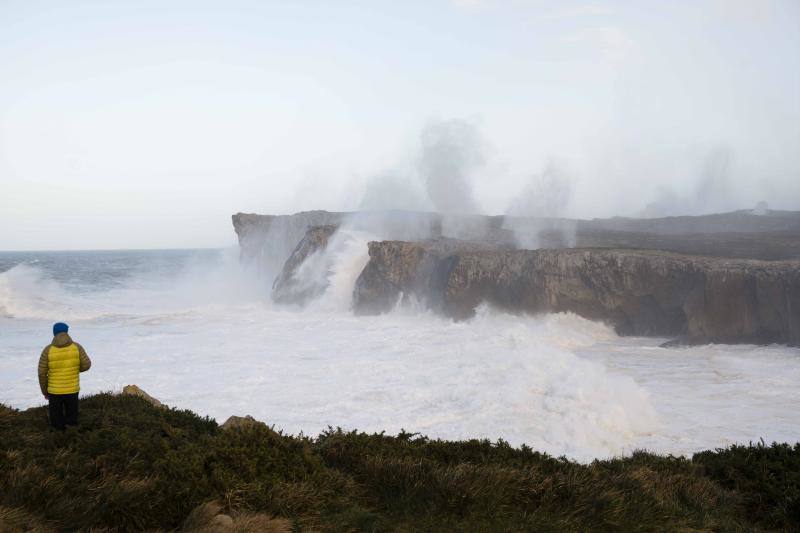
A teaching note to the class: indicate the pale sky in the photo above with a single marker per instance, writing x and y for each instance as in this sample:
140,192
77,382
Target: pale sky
146,124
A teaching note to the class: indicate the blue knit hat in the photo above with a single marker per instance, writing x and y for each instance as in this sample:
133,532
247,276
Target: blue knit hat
59,327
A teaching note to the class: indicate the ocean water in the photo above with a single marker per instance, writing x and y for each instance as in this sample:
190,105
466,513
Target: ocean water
197,330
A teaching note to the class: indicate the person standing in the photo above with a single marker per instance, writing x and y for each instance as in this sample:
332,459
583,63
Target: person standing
60,366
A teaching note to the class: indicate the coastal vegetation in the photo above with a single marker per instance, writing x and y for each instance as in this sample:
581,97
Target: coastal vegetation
131,465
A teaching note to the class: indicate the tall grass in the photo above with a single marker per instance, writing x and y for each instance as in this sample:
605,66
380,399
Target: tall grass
130,466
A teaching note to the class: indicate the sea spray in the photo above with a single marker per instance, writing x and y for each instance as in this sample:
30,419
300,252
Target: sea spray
535,214
187,329
26,292
348,257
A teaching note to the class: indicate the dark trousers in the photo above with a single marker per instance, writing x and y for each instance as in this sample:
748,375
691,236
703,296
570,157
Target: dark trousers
63,410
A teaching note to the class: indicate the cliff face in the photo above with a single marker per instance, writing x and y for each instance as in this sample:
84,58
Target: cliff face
639,292
266,241
739,285
291,286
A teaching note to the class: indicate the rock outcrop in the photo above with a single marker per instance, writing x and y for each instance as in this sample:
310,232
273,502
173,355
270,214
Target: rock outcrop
210,518
134,390
639,292
290,286
267,241
731,277
235,422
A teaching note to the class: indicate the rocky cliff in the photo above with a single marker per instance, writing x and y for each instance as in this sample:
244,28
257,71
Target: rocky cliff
291,286
268,240
736,279
639,292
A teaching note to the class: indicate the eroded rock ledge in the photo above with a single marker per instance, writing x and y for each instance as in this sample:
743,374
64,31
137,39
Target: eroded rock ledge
268,240
732,277
289,288
639,292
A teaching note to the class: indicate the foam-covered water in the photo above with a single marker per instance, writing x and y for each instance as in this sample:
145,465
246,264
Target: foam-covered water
197,331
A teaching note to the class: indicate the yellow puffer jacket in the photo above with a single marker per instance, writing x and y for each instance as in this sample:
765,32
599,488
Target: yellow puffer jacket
60,366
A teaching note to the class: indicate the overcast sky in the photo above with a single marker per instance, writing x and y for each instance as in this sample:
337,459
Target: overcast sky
147,124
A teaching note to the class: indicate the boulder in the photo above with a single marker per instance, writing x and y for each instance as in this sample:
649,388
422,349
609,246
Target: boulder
236,422
222,522
209,518
134,390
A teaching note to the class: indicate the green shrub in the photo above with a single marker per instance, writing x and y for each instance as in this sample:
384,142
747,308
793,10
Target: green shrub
766,477
131,466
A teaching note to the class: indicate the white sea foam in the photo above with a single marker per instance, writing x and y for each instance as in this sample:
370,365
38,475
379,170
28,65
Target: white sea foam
206,338
346,256
26,293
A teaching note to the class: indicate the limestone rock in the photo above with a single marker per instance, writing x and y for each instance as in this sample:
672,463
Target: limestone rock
234,422
289,287
222,522
738,281
208,518
133,390
639,292
266,241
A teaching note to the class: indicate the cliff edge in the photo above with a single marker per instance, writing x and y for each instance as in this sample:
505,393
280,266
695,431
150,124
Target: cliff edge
640,292
736,279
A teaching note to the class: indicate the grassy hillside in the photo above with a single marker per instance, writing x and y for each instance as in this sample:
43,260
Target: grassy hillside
132,466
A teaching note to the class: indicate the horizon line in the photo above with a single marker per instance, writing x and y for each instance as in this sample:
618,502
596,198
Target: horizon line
118,249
